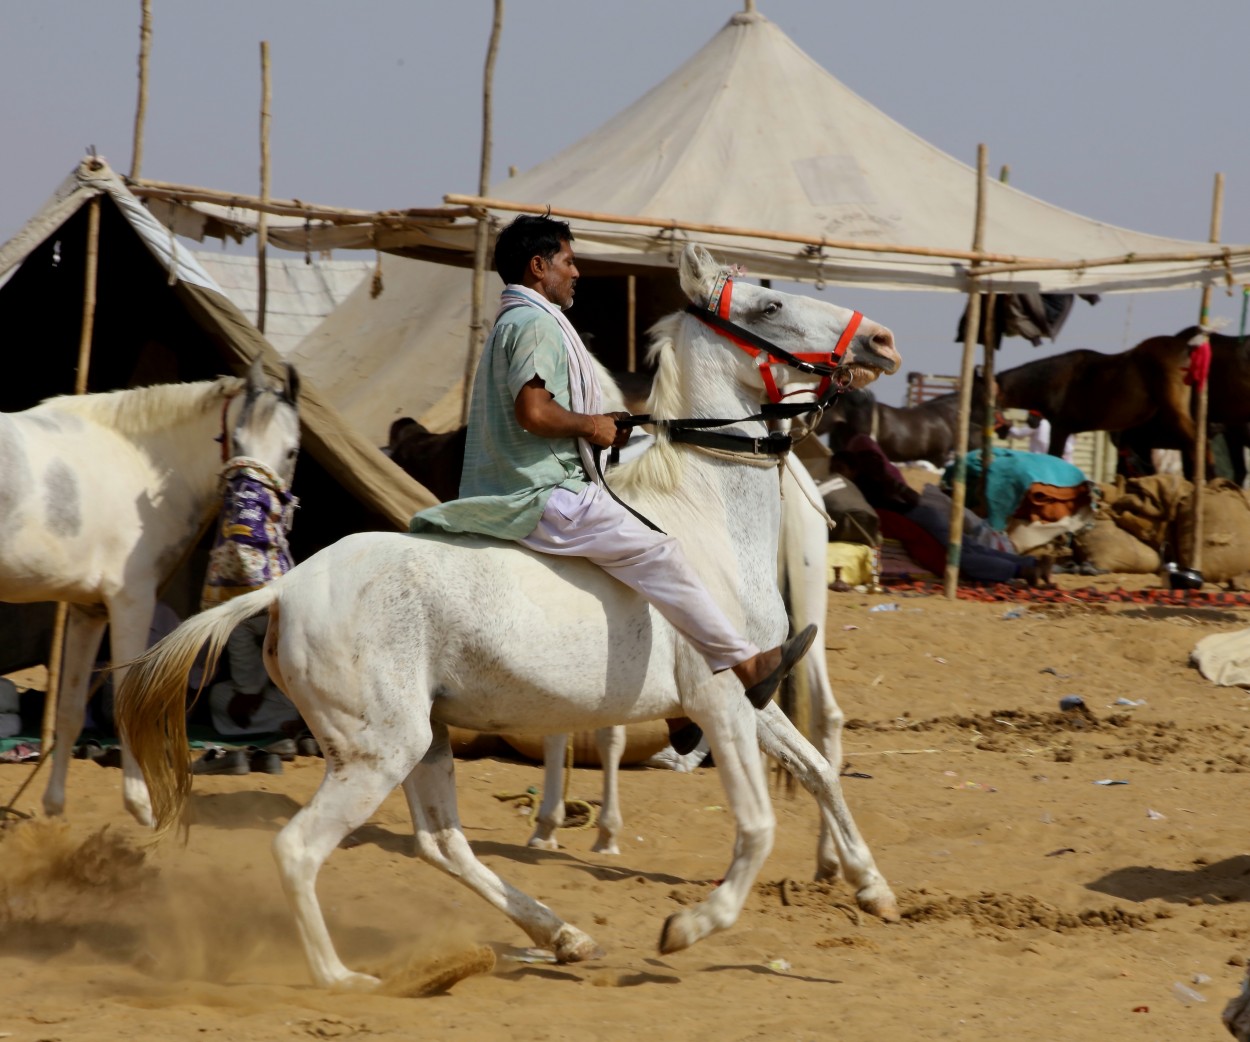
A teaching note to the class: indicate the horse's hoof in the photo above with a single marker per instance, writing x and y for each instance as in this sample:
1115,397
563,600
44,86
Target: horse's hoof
879,900
354,982
537,842
571,945
142,813
677,934
605,846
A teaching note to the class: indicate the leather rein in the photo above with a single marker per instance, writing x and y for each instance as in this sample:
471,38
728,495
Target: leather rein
835,377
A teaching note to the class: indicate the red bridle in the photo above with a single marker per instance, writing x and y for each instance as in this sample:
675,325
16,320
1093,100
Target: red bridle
821,363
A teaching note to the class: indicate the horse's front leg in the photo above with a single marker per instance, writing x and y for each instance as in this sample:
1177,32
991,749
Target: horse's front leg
551,811
610,741
726,719
782,740
83,630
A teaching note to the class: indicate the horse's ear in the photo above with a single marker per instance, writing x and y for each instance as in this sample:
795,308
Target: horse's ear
256,375
290,388
696,272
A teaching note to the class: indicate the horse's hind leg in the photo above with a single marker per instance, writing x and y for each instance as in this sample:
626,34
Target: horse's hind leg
431,793
350,792
551,811
827,720
610,742
83,631
781,740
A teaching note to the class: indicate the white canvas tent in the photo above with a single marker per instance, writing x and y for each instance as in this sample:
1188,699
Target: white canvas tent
750,133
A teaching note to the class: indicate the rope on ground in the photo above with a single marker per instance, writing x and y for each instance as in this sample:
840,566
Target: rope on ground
578,814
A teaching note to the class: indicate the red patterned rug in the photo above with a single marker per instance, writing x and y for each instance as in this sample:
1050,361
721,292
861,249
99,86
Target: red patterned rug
1087,595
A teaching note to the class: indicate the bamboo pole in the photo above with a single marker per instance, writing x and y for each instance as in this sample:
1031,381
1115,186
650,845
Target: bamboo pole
141,106
959,489
673,224
417,216
988,352
1200,421
262,220
47,734
1008,262
482,234
631,323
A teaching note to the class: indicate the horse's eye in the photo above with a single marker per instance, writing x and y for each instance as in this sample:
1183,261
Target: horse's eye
771,308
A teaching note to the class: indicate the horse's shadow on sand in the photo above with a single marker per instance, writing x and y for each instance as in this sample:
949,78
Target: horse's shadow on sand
402,843
1224,882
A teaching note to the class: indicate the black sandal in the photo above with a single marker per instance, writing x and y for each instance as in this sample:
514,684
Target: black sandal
761,693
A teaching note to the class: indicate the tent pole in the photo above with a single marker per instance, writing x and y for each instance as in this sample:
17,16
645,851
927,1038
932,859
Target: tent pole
988,350
482,232
1200,421
631,323
47,734
959,487
141,108
262,219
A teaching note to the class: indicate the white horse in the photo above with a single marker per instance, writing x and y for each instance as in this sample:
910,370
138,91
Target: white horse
840,849
384,640
102,497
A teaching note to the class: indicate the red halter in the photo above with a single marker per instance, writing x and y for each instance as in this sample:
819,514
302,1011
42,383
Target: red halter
719,303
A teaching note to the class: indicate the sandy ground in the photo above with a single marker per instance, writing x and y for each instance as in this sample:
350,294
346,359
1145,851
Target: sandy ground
1037,903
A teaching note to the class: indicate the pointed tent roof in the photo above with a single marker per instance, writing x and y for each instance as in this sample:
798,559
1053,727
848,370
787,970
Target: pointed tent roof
752,133
132,291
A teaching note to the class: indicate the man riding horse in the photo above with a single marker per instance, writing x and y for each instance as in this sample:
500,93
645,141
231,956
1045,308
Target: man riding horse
529,473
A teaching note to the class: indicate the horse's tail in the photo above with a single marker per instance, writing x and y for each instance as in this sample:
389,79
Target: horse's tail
152,704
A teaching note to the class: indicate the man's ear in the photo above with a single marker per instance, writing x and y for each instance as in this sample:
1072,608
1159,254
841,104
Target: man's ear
537,266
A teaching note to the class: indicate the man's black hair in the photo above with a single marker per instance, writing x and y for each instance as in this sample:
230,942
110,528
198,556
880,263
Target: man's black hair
527,237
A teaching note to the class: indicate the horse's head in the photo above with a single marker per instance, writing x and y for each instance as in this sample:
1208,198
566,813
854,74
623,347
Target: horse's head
824,338
262,422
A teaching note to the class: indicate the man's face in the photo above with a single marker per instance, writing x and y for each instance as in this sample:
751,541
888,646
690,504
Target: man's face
557,277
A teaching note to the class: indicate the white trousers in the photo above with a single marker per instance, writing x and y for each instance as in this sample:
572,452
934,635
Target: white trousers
591,524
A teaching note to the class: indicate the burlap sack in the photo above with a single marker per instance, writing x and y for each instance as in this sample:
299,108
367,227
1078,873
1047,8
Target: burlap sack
1107,546
1148,507
1225,532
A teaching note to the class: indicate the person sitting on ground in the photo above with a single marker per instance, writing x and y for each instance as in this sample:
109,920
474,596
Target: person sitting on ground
920,520
534,419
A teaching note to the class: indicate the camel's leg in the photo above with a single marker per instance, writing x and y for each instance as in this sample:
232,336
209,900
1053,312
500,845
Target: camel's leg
781,740
352,789
730,734
83,631
431,793
551,810
130,627
610,741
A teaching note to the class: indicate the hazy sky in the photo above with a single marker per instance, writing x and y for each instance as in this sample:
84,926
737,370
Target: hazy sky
1121,110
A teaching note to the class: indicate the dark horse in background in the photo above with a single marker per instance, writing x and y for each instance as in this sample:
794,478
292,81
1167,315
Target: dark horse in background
1087,390
917,432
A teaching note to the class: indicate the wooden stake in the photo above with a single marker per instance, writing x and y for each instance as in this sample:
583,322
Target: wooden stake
262,219
47,734
1200,420
631,323
480,240
141,108
959,490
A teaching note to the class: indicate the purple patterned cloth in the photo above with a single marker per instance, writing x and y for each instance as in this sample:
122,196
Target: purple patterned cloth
250,549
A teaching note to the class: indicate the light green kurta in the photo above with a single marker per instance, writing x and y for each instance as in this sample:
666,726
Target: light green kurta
509,473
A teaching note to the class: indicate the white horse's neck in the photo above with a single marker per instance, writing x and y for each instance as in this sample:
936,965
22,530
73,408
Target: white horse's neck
725,510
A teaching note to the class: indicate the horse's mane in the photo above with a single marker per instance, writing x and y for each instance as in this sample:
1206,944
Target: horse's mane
660,467
139,410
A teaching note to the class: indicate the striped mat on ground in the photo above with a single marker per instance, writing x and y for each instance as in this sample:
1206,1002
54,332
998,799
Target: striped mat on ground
1085,595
